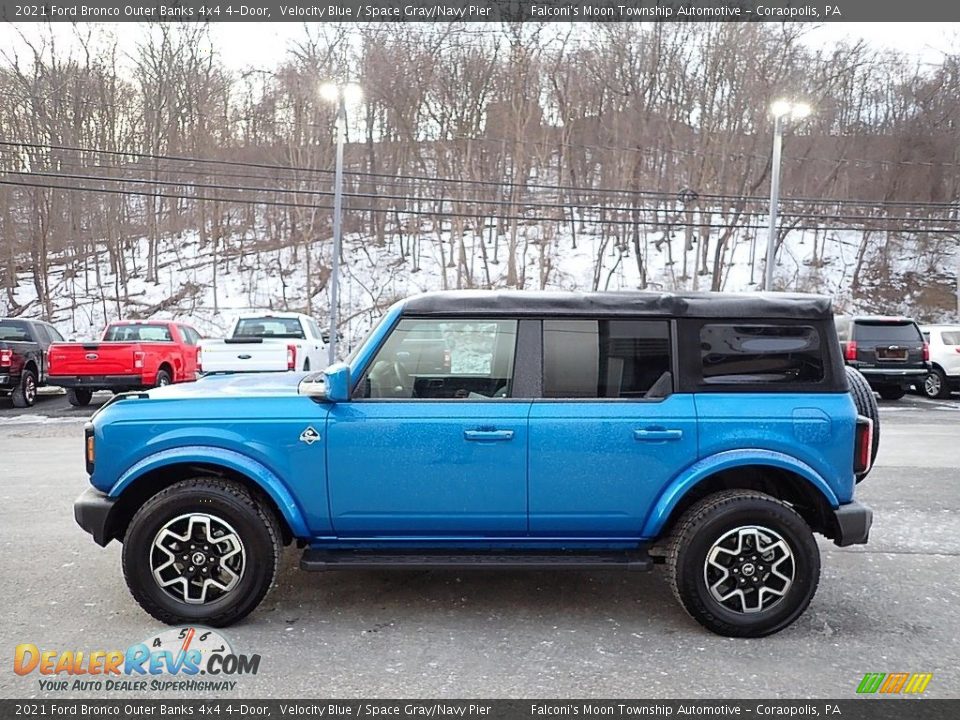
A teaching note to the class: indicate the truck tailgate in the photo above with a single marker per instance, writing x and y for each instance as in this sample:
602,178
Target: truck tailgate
243,356
92,359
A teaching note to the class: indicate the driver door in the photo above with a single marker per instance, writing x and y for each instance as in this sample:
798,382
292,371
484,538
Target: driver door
433,444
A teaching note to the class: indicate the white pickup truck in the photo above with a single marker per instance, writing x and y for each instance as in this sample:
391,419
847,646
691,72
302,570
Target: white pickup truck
266,343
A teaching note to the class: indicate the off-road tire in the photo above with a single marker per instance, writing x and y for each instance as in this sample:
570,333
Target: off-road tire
709,519
79,397
24,395
163,378
943,392
891,392
255,524
867,406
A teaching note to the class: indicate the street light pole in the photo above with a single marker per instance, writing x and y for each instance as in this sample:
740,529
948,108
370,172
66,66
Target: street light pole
341,125
781,111
774,202
339,94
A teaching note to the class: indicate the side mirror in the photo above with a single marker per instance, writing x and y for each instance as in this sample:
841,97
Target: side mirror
332,385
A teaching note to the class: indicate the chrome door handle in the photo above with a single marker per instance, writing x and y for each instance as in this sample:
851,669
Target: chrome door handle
656,435
488,435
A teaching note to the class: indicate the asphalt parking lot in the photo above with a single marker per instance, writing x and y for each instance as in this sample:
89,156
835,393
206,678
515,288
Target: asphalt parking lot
890,606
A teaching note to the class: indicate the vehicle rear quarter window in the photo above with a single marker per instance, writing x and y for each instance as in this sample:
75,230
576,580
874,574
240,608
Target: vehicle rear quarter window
951,337
441,359
604,358
269,327
887,332
138,333
760,354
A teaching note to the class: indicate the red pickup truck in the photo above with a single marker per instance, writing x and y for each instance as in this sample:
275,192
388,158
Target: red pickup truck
133,355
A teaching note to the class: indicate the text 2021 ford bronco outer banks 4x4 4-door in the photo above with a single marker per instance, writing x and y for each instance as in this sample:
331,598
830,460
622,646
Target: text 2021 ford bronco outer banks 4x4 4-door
713,433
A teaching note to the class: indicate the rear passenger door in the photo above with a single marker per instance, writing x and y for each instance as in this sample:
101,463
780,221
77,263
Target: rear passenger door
609,432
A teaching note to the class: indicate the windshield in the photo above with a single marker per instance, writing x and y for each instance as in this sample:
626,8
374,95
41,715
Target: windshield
137,333
268,327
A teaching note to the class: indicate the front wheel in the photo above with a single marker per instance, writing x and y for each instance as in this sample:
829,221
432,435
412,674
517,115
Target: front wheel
743,564
201,551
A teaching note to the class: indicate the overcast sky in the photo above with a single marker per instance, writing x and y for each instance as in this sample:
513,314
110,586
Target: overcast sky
243,45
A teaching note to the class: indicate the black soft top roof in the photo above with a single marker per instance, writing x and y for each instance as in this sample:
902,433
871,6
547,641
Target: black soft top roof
622,304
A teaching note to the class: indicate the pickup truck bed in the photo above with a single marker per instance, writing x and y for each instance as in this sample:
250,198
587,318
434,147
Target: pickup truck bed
131,356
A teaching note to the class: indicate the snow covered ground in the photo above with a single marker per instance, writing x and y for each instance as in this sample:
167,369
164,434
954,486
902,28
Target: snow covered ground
894,275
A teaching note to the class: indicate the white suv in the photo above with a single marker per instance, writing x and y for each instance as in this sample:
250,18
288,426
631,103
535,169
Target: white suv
944,374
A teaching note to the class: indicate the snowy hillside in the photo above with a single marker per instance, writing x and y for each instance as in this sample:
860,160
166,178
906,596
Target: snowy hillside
896,276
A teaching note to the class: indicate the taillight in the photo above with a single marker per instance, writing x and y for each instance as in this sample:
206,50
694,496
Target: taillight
138,356
926,352
851,352
291,357
864,445
6,358
199,359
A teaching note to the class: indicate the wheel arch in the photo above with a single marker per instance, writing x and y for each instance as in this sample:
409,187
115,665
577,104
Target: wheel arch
775,474
153,474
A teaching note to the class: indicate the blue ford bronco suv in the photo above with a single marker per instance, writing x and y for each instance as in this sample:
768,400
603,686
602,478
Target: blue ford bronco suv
711,433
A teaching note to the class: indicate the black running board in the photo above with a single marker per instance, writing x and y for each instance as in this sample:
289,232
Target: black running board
319,560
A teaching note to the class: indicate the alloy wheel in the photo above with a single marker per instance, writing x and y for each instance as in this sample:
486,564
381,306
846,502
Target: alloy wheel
749,569
197,558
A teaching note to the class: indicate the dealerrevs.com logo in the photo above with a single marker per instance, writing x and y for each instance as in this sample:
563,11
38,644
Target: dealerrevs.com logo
190,659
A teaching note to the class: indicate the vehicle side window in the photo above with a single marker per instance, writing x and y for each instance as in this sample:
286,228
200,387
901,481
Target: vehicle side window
190,336
950,337
434,359
604,358
314,328
54,334
732,354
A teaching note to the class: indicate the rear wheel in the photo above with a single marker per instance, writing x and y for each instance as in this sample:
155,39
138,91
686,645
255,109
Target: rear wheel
163,378
936,385
743,564
201,551
79,397
25,394
892,392
866,405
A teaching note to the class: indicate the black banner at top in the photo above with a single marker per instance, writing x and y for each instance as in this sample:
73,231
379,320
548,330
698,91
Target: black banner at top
478,11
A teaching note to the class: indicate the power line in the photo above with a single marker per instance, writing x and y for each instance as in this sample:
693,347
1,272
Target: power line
463,201
467,182
445,214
